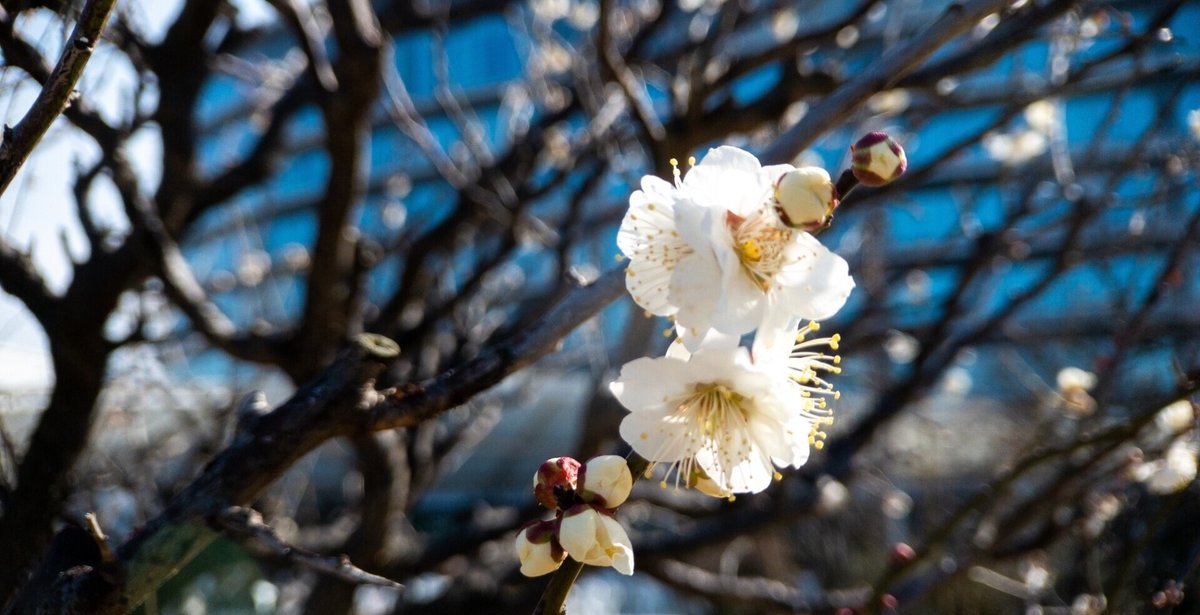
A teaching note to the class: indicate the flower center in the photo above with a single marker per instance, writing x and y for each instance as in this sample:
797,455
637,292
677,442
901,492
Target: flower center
711,405
759,244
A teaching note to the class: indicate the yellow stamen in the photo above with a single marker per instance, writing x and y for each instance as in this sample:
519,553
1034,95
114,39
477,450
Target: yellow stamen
749,250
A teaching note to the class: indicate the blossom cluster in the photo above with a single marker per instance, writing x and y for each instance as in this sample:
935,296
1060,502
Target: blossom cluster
1177,468
725,251
582,499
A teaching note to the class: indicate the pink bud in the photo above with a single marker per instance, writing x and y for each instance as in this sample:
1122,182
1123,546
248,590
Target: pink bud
555,482
876,159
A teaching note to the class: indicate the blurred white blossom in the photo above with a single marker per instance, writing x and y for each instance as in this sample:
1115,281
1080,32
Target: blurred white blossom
1176,418
1074,385
1173,473
1015,148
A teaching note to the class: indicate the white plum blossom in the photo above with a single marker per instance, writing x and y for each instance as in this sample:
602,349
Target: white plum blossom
715,414
595,538
711,252
605,481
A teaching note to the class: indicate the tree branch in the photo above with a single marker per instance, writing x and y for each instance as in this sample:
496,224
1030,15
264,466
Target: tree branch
328,296
21,279
889,69
246,525
412,405
56,93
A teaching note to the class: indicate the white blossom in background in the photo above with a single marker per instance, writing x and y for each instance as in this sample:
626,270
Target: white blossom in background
716,415
711,252
890,102
1174,472
595,538
1017,147
1043,116
1074,386
1176,418
1193,119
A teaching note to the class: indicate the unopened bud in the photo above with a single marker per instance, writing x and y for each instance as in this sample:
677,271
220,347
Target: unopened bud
876,159
538,548
902,553
605,481
595,538
555,482
805,198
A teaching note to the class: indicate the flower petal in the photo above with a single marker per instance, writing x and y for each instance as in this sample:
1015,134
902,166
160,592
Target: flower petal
693,292
817,287
645,383
620,549
659,436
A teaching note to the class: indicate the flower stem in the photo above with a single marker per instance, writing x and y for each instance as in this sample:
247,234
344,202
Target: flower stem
555,596
637,465
845,183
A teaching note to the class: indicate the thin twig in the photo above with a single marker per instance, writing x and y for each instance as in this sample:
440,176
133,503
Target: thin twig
56,93
957,18
247,525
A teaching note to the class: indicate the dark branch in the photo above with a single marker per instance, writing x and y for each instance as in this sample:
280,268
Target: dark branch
247,526
57,91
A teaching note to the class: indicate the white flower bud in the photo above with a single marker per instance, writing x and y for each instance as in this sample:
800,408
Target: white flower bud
596,539
536,549
805,198
876,159
605,480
